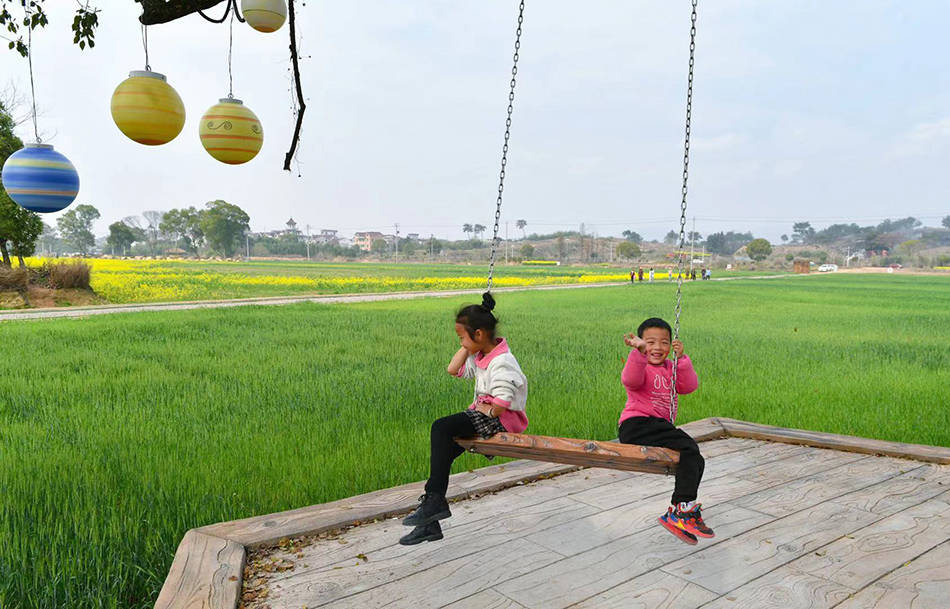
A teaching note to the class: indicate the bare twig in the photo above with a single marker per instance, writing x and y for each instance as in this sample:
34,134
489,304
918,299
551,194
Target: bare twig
302,106
15,103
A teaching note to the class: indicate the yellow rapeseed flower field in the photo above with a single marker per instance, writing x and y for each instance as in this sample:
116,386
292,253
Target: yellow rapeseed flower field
132,281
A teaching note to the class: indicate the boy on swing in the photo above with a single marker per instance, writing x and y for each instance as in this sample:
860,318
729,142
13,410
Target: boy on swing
648,416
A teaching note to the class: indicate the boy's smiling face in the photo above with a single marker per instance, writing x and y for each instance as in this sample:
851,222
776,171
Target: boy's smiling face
658,345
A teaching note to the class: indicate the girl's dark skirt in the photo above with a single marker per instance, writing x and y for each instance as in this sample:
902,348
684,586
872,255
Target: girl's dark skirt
485,426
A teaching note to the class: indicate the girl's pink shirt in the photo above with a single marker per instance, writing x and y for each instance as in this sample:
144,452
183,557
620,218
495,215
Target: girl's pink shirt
648,386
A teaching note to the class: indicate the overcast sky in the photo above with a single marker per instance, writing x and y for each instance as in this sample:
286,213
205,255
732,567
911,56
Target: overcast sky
815,110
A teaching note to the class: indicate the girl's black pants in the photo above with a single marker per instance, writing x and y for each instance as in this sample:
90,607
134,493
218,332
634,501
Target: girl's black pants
444,450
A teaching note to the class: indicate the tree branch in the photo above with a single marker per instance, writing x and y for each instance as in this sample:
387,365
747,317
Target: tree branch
302,106
163,11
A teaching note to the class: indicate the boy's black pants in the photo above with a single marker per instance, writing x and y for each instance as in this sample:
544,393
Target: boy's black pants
653,431
444,450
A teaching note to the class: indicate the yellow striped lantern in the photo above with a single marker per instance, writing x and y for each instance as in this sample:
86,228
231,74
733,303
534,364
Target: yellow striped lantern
40,179
264,15
147,109
230,132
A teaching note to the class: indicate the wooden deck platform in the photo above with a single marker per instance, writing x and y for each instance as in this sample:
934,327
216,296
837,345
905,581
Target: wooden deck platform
797,526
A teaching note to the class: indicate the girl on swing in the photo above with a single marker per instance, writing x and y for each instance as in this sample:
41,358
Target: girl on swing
648,416
501,391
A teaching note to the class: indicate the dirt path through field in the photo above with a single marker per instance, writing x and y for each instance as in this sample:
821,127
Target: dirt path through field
283,300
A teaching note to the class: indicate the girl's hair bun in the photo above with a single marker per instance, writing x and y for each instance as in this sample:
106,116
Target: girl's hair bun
488,301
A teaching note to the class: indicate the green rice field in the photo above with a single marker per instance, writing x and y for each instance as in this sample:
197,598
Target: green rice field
118,433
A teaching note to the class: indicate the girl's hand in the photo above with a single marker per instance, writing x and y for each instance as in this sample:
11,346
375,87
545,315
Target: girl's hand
484,408
458,361
678,348
635,342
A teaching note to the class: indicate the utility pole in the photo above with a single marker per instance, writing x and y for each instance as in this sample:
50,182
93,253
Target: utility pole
247,244
506,243
397,239
692,239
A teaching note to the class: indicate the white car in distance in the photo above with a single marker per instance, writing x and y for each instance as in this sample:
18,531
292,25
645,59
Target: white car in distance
825,268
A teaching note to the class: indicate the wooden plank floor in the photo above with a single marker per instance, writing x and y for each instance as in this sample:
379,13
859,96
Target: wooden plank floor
796,527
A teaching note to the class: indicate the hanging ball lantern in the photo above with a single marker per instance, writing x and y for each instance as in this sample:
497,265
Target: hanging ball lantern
40,179
230,132
264,15
147,109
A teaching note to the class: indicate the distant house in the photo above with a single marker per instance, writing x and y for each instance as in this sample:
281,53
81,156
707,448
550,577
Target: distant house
290,231
413,237
326,236
364,240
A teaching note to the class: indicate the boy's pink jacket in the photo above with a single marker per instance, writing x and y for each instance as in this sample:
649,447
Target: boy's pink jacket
648,387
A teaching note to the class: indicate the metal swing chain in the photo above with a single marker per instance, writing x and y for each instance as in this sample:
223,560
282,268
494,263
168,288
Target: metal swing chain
678,304
504,148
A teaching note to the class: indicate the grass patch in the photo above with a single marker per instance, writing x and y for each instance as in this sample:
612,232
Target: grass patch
121,432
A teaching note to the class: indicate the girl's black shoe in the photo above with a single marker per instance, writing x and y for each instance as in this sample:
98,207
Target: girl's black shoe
428,532
433,507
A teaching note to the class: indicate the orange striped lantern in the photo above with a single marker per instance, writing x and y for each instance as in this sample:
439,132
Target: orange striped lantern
230,132
264,15
147,109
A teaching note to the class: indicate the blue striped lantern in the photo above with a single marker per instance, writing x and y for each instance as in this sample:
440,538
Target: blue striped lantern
40,179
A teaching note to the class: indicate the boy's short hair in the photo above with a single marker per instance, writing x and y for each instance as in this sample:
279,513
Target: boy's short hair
654,322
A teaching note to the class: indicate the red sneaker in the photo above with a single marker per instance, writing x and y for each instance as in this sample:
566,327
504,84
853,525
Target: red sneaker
692,522
672,523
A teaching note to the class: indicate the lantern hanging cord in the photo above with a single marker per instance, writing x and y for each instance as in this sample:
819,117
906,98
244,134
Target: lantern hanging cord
29,58
230,49
148,67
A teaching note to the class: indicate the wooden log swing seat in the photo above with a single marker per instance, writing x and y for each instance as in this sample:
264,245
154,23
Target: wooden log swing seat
570,451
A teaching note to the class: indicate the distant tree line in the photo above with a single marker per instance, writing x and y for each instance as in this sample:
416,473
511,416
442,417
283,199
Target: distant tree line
887,235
